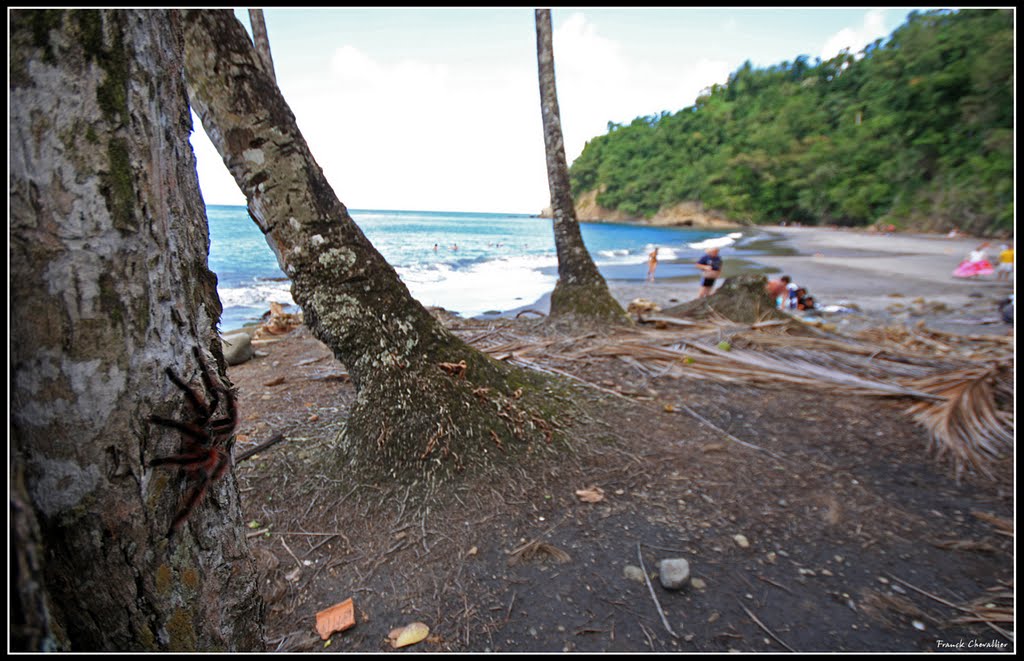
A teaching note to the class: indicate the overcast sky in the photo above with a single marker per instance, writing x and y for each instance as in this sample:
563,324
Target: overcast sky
438,108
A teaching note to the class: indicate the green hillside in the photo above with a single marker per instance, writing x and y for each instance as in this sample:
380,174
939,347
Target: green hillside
917,132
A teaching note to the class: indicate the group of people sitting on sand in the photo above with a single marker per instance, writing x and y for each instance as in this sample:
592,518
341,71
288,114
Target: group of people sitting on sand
977,263
788,295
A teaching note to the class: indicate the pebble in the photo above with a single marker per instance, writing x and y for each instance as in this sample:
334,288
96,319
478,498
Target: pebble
698,583
772,557
741,541
673,573
633,573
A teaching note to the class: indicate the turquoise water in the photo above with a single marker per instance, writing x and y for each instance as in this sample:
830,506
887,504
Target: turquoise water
483,262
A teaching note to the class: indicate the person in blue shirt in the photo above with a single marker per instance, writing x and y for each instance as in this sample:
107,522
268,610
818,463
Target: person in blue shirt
711,264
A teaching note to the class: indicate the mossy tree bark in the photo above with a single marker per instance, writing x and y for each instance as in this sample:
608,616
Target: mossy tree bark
741,299
417,414
109,286
581,293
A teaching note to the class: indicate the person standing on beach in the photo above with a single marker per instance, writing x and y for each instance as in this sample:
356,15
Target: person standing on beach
1005,263
711,264
652,263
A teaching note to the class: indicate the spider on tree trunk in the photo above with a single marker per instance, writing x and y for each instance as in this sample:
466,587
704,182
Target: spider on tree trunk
206,442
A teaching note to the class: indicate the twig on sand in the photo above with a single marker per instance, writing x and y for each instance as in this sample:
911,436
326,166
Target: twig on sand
765,628
554,370
730,436
930,595
647,579
259,448
771,582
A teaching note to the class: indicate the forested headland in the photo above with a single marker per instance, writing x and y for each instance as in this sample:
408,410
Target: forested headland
915,131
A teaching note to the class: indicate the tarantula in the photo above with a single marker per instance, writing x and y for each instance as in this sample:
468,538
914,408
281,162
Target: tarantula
206,442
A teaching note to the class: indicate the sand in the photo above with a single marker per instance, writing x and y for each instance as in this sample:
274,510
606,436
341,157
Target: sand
886,279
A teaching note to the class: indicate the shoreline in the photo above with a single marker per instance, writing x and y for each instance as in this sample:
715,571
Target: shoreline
887,279
878,280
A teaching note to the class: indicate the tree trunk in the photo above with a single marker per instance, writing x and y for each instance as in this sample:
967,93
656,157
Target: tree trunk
742,299
109,286
416,414
581,294
262,41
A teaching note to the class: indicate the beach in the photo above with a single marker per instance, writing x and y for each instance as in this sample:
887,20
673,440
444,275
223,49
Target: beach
838,491
878,279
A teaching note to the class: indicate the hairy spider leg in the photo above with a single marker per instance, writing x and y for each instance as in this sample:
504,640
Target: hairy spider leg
212,391
198,405
209,470
201,455
190,429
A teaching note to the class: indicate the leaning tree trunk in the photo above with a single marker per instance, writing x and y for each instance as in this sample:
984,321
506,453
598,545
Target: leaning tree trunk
580,294
426,402
262,41
109,286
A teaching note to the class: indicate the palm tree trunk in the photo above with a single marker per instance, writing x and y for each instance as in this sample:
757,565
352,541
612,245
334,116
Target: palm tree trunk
412,416
262,41
109,286
581,292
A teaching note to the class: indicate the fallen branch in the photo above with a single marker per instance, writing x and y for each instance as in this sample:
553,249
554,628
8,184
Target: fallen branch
765,628
259,448
664,620
730,436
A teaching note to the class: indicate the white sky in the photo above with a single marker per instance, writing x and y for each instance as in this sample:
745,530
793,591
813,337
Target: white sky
439,109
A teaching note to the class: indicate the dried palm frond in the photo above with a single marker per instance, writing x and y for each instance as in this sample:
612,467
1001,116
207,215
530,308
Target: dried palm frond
965,424
538,550
993,609
1003,526
754,367
929,341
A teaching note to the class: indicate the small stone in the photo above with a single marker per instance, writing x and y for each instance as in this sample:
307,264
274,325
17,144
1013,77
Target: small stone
772,557
741,541
633,573
673,573
825,572
698,583
883,580
918,624
838,558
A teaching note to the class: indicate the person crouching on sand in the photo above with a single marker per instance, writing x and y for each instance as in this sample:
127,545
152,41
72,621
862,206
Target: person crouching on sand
711,264
779,291
652,263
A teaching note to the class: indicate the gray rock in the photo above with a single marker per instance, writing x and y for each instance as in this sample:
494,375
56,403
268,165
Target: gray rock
237,347
673,573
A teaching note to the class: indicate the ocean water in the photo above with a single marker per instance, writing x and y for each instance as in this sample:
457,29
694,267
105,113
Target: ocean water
483,263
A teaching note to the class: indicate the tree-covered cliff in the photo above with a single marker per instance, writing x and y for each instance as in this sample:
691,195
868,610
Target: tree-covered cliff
918,132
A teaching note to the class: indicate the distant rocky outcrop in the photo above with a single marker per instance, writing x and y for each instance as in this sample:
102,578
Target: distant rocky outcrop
683,214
